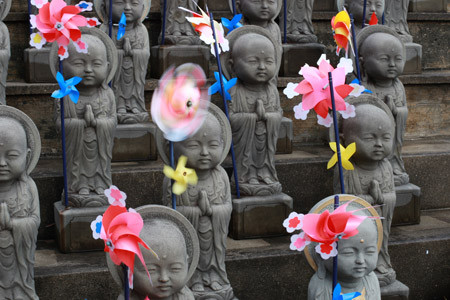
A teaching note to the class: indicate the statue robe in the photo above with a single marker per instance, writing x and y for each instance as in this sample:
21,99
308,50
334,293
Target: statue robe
18,245
5,54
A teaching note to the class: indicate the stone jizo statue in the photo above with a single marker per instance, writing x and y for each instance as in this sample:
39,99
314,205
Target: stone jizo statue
178,30
356,8
373,131
133,52
299,26
90,124
20,147
5,52
382,58
396,14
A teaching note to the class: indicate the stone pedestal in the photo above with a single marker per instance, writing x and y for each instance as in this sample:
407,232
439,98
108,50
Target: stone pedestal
259,216
428,5
134,142
162,57
296,55
73,228
285,135
37,67
325,5
394,291
413,63
407,207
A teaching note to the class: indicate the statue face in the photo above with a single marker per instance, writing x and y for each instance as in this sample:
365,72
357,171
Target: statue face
382,57
259,10
168,273
13,150
254,59
92,66
356,7
204,149
132,8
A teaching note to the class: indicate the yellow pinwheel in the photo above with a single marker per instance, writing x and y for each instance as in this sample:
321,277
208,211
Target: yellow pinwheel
182,176
346,153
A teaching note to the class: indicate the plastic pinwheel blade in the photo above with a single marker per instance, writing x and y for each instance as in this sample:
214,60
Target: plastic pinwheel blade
349,296
122,26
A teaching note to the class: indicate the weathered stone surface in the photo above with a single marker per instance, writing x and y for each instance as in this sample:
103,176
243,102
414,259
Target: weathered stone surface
134,142
428,5
413,63
37,68
296,55
407,205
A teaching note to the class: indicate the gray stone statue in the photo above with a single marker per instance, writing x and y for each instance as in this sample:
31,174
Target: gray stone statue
178,30
357,257
133,52
20,147
299,26
255,112
5,52
89,124
373,131
175,241
396,13
207,205
356,8
382,58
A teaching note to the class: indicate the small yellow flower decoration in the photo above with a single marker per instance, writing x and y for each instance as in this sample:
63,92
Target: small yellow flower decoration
182,176
345,156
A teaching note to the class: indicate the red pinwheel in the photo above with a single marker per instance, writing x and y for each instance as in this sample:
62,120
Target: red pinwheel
341,30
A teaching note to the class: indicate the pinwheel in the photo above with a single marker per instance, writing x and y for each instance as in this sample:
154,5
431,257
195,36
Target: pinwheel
373,19
67,87
115,196
341,30
349,296
122,26
38,3
180,102
227,84
233,23
85,6
346,153
181,175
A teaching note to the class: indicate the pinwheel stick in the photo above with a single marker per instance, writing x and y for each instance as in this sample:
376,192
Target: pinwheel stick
163,33
63,144
355,47
233,3
126,284
29,15
364,14
219,65
172,164
110,22
285,21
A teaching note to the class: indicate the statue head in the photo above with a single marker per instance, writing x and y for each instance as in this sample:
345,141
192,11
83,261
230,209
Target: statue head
356,7
135,10
382,54
259,12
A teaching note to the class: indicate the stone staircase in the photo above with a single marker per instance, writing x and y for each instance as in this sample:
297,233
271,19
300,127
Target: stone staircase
264,268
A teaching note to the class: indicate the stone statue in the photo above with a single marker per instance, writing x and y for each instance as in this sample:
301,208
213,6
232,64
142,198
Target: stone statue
382,58
357,258
373,131
356,8
299,21
133,52
20,147
207,205
175,241
89,124
255,112
5,52
395,15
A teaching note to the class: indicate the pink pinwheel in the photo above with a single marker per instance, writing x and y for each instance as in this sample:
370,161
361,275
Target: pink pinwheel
180,102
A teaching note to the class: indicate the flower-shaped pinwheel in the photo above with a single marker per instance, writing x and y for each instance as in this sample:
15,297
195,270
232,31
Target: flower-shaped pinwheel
349,296
67,87
293,222
346,153
341,30
227,84
122,26
37,40
180,102
85,6
182,176
233,23
59,22
299,241
115,196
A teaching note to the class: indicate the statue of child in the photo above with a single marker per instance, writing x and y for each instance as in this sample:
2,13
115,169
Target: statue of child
356,8
175,241
178,30
373,131
357,259
255,111
90,123
133,53
5,52
382,57
207,205
299,21
20,147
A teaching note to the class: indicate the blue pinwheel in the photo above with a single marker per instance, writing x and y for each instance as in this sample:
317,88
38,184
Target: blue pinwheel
122,26
337,294
67,87
233,23
227,84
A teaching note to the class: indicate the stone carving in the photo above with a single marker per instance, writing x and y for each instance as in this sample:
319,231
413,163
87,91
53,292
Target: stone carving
255,112
133,52
208,204
356,260
299,26
396,13
89,124
175,241
356,8
5,52
382,58
373,131
20,147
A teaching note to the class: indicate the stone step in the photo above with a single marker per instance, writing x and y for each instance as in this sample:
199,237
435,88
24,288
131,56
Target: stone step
263,269
303,175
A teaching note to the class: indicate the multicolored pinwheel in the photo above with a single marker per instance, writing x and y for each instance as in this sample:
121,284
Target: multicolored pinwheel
341,31
181,175
67,87
227,84
346,153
